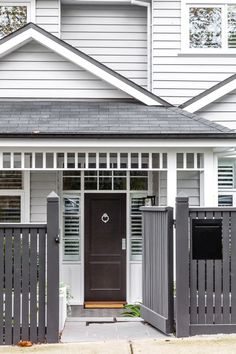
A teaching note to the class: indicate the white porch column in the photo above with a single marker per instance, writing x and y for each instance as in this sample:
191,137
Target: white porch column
171,179
210,179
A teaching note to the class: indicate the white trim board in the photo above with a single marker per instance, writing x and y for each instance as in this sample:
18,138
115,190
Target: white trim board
32,32
211,97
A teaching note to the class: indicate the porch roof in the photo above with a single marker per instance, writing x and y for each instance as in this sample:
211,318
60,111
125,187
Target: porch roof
102,119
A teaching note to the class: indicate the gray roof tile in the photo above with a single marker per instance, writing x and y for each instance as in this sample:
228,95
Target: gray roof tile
81,118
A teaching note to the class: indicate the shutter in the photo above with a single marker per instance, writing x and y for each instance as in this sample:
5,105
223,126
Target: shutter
225,200
136,226
10,209
225,176
10,180
71,236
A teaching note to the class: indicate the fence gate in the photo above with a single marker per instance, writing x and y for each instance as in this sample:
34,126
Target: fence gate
157,306
29,279
205,270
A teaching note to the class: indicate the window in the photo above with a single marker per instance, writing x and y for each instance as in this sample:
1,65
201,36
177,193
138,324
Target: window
209,26
225,176
12,17
71,226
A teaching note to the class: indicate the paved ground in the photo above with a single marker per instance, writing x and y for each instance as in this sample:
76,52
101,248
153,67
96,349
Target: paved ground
94,330
80,311
196,345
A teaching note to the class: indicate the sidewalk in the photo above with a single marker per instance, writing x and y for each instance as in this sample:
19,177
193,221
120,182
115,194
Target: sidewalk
196,345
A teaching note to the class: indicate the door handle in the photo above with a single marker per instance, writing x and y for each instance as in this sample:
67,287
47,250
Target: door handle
123,244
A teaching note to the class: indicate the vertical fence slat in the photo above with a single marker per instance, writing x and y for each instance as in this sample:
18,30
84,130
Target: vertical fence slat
8,286
182,268
25,284
233,267
33,285
17,285
226,265
193,281
1,283
42,292
209,284
218,283
52,268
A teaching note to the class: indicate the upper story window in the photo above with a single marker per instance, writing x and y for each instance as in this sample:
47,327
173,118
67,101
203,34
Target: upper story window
13,16
209,26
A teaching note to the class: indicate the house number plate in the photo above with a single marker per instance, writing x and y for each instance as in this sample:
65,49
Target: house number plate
105,218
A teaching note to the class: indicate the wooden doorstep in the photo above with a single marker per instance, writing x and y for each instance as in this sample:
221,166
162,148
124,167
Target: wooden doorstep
104,304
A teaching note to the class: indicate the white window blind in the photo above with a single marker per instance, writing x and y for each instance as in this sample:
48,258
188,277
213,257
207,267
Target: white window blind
10,209
225,200
225,176
10,180
71,235
136,226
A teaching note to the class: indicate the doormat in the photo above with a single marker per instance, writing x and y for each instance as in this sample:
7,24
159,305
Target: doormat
104,304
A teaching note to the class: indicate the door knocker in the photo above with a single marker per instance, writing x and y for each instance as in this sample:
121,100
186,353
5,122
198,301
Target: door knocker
105,218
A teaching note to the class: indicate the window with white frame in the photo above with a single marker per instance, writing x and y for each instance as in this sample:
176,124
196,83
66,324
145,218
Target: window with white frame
209,25
11,188
14,15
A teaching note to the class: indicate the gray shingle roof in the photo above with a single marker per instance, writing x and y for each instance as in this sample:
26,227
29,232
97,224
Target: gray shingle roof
70,118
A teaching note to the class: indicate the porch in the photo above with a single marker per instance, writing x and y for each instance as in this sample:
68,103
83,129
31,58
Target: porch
29,174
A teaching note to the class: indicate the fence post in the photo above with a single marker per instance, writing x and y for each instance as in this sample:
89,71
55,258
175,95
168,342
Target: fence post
182,268
52,268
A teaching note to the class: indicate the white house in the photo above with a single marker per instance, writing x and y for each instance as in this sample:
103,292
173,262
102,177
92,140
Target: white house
88,108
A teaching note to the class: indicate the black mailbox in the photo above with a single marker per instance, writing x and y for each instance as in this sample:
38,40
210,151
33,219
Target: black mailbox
206,239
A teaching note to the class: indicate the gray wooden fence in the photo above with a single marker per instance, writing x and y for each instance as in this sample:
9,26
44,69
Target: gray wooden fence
157,305
29,279
205,270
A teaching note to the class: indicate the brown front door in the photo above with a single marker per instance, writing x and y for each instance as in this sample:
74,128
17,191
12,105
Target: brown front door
105,260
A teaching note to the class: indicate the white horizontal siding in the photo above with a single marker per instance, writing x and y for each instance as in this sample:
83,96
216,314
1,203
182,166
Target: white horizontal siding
114,35
188,185
222,111
41,184
177,77
48,15
35,72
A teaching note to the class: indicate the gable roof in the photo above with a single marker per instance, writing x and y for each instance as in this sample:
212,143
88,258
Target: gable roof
102,119
33,32
210,95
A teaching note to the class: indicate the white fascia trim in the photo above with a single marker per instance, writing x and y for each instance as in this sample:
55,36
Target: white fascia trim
211,97
32,34
113,144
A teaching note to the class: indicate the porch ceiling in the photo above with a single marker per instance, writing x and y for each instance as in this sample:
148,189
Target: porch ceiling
103,119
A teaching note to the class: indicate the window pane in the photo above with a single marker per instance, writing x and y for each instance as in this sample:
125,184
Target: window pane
232,26
190,160
71,181
70,160
60,160
119,183
145,160
12,18
10,180
17,160
113,160
102,160
71,235
90,180
155,160
124,160
138,181
6,160
205,27
92,160
134,160
180,160
81,160
10,210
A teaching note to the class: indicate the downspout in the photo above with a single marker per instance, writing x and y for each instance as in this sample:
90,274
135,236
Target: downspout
148,5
